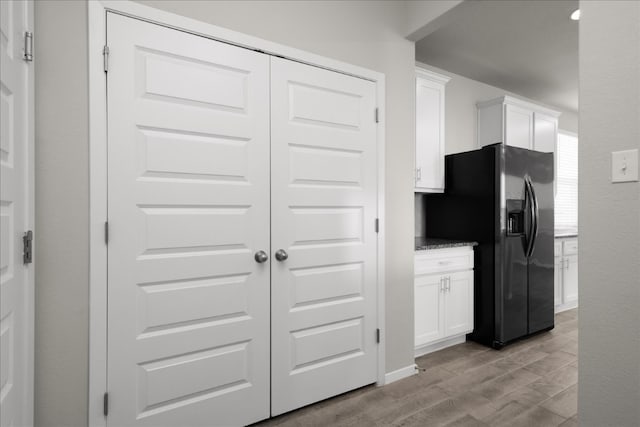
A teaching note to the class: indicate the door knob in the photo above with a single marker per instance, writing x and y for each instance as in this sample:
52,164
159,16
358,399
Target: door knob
281,255
261,256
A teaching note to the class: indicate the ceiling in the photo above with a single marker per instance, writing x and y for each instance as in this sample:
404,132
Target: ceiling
526,47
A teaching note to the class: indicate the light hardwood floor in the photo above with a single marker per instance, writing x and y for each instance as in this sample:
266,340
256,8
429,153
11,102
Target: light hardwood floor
532,382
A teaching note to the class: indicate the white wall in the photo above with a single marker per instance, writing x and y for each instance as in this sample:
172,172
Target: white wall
421,16
366,33
62,216
461,96
609,268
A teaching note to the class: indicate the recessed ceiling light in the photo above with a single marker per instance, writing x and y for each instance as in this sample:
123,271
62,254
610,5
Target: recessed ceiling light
575,16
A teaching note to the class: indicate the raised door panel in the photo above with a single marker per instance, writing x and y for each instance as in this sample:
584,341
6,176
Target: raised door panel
459,303
324,192
545,133
16,172
570,279
518,127
490,124
545,139
429,306
429,135
557,281
188,197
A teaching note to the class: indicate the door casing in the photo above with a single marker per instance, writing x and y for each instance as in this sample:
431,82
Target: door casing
96,12
25,215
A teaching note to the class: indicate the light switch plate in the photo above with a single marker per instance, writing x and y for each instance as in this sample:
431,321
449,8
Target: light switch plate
624,166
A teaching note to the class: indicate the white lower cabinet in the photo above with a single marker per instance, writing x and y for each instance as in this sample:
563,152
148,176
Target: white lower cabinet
429,304
566,274
458,308
570,279
557,280
443,298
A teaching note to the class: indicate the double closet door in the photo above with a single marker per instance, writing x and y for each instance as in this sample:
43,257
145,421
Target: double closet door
220,157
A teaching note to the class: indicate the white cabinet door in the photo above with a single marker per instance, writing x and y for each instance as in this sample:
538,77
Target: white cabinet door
429,135
557,280
16,212
324,193
429,308
546,133
570,278
188,197
459,303
518,126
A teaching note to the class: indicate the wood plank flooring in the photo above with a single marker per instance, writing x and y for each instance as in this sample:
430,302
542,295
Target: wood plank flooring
529,383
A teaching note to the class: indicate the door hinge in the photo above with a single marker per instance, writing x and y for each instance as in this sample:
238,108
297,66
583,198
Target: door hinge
105,57
378,335
376,115
27,247
105,404
377,225
28,46
106,232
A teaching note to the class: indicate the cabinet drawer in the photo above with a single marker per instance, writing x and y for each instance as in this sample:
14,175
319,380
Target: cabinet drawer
443,260
571,247
557,248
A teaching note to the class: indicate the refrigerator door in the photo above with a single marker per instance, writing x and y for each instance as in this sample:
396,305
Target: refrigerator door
511,280
541,261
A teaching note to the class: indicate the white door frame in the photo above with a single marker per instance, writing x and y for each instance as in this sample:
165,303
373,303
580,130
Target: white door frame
28,271
97,10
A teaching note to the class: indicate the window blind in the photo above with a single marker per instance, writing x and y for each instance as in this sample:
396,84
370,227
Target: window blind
566,208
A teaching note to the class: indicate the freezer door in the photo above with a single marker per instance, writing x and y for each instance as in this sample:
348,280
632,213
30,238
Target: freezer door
541,260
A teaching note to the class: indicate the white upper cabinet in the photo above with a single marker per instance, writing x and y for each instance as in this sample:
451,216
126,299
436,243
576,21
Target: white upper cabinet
545,133
517,123
518,131
429,173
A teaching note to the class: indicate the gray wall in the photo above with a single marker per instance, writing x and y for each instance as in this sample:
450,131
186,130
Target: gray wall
609,268
62,214
369,34
461,97
421,16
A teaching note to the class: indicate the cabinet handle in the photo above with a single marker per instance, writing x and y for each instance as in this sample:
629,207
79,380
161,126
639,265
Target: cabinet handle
442,286
448,283
419,174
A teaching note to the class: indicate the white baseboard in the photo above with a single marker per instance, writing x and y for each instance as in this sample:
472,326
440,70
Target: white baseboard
401,373
567,306
430,348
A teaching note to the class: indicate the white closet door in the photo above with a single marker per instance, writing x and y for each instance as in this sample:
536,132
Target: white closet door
16,196
188,205
323,154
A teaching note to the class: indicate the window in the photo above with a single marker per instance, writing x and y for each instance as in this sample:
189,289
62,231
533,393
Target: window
566,209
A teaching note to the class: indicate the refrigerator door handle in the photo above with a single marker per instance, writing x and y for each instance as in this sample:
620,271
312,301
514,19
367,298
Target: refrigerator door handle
529,201
534,210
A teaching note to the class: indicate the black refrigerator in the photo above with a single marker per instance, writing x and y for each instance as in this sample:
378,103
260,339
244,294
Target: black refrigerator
502,197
